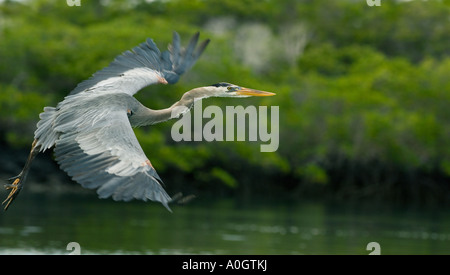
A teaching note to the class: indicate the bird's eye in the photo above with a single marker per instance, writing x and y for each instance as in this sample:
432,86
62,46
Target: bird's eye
230,88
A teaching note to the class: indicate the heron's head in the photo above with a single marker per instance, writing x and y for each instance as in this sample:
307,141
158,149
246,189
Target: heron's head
224,89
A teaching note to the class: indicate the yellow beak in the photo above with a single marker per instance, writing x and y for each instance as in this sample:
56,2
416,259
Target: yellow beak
252,92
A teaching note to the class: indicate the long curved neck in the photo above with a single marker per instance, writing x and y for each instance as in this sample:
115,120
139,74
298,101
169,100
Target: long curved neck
146,116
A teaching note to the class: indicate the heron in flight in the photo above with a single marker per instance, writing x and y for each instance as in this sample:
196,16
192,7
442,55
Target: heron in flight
91,129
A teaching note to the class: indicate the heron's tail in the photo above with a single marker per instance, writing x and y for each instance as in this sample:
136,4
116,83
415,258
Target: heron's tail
45,134
17,181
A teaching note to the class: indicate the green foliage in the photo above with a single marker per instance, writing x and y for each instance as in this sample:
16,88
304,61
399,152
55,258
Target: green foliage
224,177
370,86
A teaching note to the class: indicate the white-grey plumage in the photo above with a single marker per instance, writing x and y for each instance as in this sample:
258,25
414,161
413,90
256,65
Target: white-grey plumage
91,129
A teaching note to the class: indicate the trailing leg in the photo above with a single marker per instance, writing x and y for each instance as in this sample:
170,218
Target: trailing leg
17,181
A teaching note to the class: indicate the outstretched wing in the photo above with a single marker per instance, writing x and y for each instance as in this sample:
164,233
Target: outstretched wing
144,65
99,150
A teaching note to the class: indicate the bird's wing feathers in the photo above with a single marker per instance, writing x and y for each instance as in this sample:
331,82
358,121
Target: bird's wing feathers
100,150
183,59
144,65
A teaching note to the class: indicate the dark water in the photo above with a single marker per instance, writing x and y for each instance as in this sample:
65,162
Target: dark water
39,223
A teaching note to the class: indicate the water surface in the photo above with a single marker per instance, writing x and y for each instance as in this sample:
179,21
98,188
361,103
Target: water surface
40,223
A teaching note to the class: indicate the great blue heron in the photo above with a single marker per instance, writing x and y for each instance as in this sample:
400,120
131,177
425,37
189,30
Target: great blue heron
91,129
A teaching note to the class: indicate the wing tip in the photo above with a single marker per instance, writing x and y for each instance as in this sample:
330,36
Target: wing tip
166,205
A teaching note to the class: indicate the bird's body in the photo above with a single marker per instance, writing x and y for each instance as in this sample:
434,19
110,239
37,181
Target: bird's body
91,129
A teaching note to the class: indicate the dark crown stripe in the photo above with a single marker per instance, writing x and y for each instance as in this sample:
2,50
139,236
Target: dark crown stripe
221,84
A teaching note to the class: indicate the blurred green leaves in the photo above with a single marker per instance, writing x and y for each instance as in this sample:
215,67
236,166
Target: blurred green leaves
355,84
